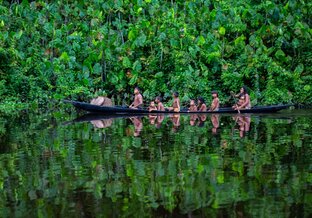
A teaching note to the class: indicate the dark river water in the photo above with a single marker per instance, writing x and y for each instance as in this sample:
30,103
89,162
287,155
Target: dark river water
165,166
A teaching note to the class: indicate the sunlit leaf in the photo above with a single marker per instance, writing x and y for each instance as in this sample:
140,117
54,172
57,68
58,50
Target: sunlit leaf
222,31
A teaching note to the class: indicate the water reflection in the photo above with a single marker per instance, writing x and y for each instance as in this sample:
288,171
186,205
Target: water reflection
243,122
152,119
175,118
102,123
215,122
160,119
193,119
198,120
201,120
172,167
138,125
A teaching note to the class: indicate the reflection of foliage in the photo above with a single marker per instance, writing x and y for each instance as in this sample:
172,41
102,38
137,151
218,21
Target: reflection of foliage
2,127
77,169
56,49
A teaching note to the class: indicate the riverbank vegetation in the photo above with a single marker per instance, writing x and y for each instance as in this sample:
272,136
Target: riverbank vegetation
52,50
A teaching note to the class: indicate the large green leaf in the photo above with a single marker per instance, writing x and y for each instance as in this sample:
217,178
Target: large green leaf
126,62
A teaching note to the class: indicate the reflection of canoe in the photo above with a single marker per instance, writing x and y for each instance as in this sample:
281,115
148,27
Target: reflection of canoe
123,110
93,117
96,116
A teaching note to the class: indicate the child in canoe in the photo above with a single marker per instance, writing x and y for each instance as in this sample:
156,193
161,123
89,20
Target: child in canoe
193,107
215,102
152,107
160,106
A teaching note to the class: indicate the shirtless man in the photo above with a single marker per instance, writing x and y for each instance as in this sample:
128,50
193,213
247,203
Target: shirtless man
160,106
176,103
138,99
215,102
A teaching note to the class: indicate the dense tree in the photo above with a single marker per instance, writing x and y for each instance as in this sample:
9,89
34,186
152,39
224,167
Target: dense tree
70,49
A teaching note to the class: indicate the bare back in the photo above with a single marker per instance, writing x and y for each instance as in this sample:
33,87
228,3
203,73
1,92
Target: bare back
202,107
247,102
160,106
215,104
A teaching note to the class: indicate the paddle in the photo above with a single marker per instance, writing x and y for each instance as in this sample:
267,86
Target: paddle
232,94
237,108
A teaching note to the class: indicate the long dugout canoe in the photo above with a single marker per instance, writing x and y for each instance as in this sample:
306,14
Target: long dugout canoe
124,110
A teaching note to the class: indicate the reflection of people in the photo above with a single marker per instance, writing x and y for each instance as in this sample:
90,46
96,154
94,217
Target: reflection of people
243,123
175,121
215,102
102,123
138,125
201,104
160,119
193,119
244,99
215,123
176,103
138,99
152,119
201,120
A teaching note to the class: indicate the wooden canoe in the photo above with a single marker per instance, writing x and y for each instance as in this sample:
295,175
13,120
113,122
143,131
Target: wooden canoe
124,110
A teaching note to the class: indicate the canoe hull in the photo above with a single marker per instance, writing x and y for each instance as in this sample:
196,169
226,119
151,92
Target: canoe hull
123,110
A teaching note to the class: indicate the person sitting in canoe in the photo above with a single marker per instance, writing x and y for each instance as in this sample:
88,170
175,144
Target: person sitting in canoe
138,99
240,101
160,106
201,105
215,102
244,100
192,107
176,103
152,107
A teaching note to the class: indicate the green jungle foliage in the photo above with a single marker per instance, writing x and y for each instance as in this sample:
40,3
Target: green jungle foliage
51,50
